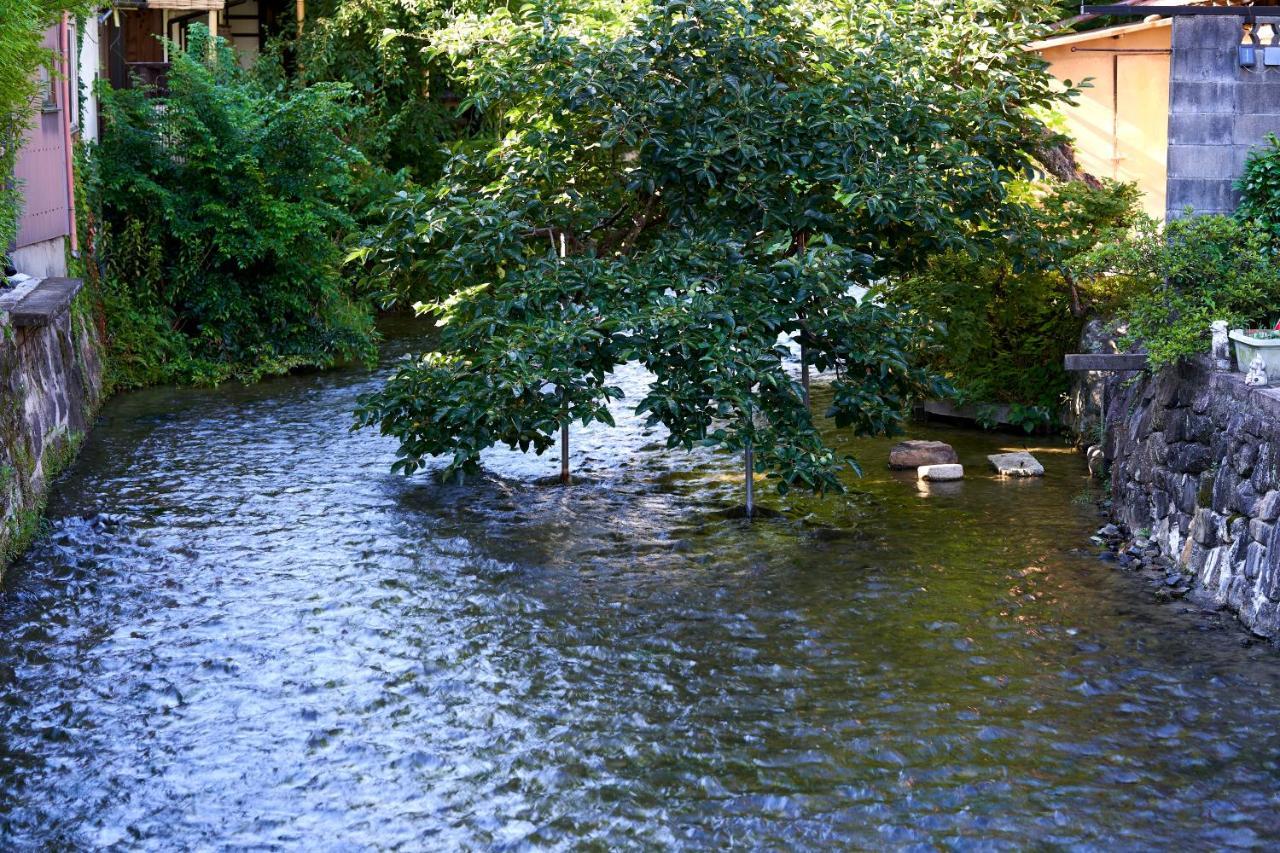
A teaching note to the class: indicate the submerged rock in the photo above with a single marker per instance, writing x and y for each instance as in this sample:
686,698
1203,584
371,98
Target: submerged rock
1097,461
914,454
1019,464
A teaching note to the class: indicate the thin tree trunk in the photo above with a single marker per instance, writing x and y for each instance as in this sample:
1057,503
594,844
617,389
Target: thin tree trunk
804,372
750,466
564,454
801,242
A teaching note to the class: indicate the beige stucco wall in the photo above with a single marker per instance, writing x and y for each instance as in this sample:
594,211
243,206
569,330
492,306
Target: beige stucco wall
1120,123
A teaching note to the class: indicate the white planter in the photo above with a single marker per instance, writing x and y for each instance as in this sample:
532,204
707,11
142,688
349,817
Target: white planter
1247,348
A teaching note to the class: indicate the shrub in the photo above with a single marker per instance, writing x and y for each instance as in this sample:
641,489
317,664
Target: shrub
221,215
1181,279
1013,309
1260,188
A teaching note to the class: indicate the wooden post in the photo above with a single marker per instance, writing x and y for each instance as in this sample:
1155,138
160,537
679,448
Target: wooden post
213,33
750,465
302,15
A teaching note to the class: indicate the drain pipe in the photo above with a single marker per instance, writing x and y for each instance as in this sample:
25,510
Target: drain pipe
64,42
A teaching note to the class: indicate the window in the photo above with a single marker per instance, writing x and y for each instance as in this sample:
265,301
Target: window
48,91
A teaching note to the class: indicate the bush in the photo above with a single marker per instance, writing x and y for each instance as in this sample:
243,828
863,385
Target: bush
1195,271
1260,188
1014,309
220,220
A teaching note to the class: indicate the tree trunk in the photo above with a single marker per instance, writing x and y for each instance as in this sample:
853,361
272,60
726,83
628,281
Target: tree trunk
750,466
804,372
564,454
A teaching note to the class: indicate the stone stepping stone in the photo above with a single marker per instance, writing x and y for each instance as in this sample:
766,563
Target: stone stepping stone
940,473
1020,464
907,455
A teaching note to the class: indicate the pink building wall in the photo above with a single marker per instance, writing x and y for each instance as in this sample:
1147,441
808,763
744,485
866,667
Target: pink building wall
42,176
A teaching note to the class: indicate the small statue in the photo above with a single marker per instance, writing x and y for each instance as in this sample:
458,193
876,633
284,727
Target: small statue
1257,376
1221,345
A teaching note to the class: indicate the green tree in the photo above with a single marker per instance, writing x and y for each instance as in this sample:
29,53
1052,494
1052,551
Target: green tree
688,191
380,48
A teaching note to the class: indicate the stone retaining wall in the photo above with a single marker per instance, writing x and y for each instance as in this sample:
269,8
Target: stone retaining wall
50,390
1193,456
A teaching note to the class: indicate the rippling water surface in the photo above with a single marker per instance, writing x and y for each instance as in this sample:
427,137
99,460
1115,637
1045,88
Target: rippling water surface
268,640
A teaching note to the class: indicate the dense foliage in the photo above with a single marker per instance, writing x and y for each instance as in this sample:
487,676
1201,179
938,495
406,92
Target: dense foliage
1182,278
379,48
1259,187
22,31
685,188
220,217
1014,310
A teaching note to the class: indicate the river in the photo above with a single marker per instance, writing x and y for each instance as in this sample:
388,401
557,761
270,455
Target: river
242,631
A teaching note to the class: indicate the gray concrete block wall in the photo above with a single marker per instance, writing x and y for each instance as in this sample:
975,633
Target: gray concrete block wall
1218,112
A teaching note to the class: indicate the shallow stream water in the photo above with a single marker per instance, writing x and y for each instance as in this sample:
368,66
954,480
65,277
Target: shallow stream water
242,631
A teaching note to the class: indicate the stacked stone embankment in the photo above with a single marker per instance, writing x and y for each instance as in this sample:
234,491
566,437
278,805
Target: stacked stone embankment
50,390
1193,457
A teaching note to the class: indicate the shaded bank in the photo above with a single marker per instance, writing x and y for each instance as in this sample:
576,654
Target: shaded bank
51,387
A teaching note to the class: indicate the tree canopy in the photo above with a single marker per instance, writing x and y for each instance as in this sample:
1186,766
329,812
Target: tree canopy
689,185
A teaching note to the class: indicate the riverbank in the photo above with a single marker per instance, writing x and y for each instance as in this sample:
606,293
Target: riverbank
1193,467
51,382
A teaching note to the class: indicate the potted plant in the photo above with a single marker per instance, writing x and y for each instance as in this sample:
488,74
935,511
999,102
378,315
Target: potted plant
1251,343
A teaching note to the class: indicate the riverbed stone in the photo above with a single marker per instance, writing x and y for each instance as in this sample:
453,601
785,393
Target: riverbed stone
915,453
1019,464
940,473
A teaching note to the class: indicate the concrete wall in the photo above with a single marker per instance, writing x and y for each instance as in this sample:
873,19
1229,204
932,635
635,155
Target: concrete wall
89,60
1218,111
50,391
45,259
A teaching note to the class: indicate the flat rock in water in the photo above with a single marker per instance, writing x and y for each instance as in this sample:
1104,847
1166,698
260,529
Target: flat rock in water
912,454
940,473
1020,464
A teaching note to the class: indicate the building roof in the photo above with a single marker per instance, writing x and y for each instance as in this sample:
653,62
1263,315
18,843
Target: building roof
1150,23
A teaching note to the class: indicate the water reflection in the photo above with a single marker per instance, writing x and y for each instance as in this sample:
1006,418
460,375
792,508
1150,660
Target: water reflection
270,641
